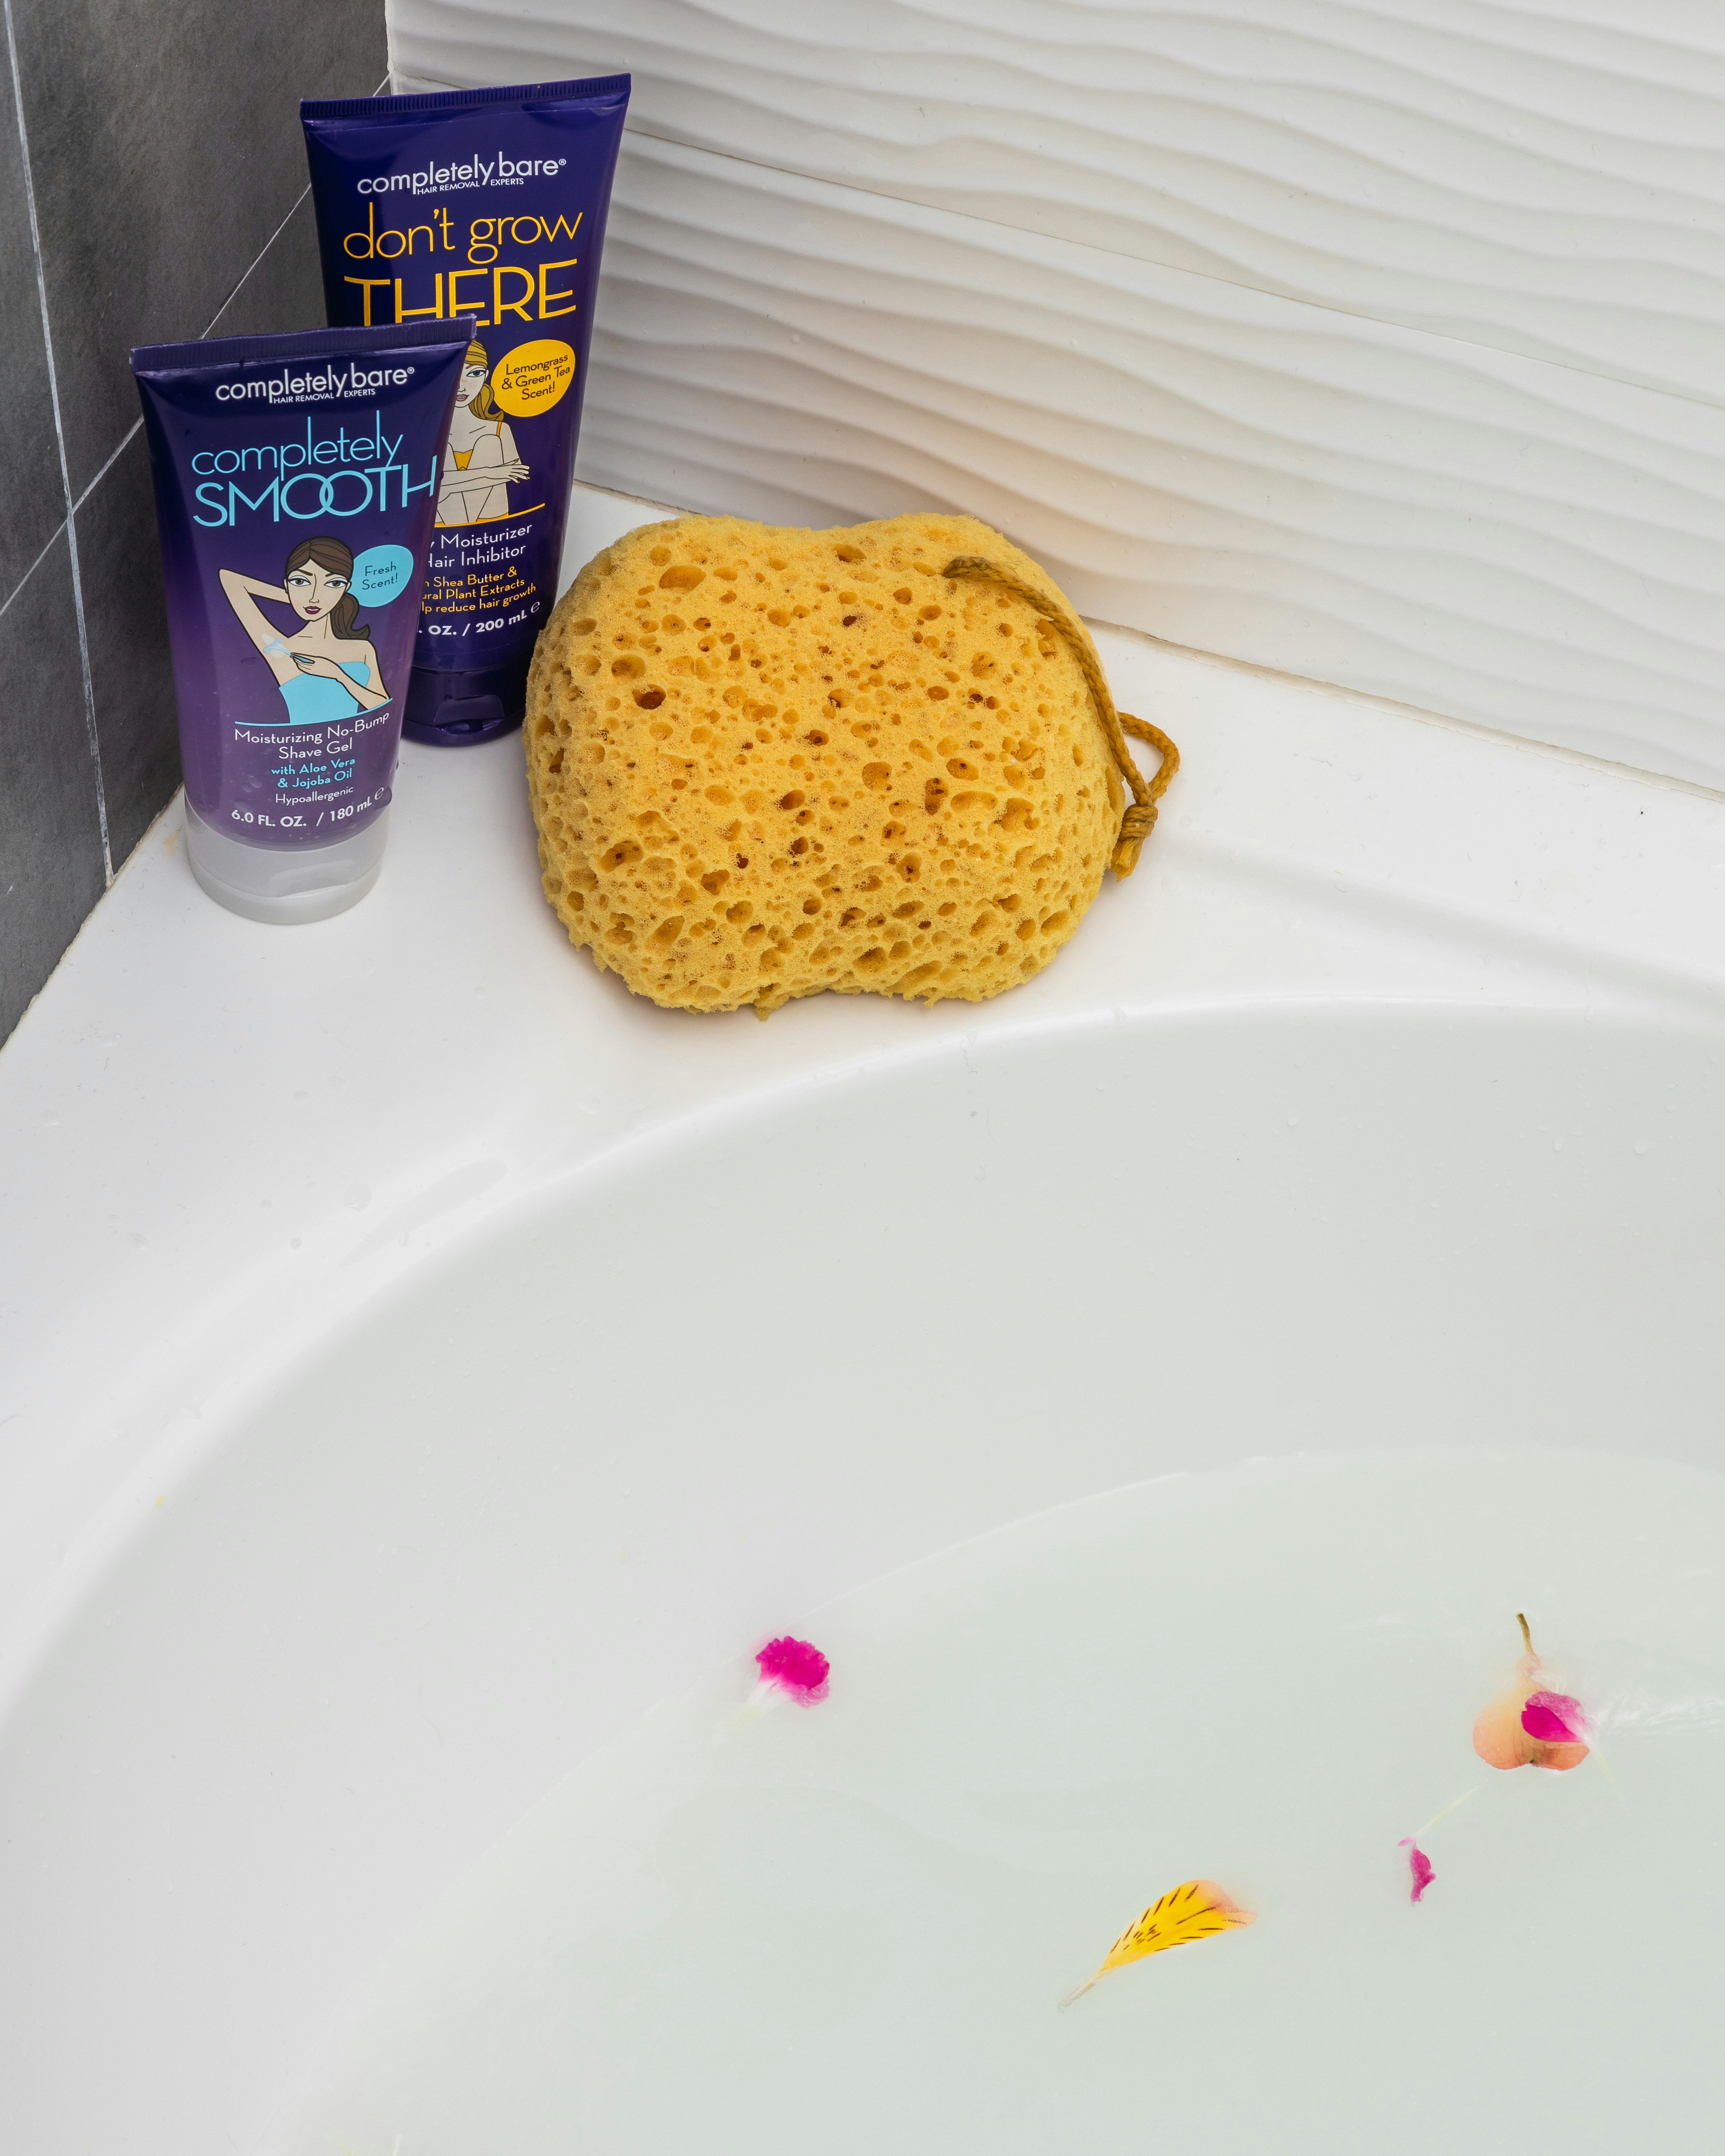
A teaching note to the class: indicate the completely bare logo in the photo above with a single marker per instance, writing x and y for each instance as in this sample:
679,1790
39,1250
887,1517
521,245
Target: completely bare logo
325,385
498,172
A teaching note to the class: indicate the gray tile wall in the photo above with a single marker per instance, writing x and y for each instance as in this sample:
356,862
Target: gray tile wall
152,187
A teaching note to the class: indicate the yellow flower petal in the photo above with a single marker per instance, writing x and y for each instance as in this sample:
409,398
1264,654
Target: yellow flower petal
1196,1909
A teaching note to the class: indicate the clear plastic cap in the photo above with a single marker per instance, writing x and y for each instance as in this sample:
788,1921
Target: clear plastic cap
284,884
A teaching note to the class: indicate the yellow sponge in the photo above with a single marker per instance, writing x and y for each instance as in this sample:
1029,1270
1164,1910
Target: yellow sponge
764,763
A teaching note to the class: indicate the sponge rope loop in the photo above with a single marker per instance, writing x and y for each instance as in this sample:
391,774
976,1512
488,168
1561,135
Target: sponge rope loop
1139,820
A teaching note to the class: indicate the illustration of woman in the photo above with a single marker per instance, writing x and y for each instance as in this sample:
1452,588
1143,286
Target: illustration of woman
480,462
327,669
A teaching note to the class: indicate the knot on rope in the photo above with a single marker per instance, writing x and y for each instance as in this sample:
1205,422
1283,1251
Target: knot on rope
1138,821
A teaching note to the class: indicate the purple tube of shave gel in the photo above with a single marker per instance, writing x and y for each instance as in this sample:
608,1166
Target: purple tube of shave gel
296,478
491,204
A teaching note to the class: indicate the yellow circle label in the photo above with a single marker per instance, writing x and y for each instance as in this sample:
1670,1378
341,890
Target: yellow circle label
530,379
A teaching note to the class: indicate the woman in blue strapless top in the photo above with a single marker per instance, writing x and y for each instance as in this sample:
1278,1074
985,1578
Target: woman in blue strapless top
326,669
312,698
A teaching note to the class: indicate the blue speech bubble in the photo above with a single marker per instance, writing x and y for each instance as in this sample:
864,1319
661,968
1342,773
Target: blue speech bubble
380,573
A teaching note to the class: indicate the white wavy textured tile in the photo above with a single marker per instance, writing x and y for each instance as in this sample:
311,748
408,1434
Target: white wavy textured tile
1461,529
1548,179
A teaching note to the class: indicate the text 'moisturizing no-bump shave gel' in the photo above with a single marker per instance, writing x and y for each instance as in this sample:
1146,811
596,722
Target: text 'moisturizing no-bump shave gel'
487,203
296,480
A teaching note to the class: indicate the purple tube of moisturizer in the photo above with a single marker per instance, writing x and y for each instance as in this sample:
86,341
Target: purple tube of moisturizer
296,478
490,203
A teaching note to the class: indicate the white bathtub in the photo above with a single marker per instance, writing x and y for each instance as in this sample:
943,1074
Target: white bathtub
418,1355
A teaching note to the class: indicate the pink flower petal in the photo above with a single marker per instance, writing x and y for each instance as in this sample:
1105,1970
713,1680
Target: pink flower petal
1553,1717
1420,1865
796,1668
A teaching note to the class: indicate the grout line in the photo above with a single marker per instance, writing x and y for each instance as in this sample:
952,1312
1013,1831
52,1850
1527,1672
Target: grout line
69,527
18,586
256,259
107,467
244,275
251,265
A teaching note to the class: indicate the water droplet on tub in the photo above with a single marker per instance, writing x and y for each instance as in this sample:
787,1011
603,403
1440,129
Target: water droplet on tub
356,1198
1293,1117
1643,1145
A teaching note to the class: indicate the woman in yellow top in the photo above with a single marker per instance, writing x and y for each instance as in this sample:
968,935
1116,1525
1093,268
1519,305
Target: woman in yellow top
480,461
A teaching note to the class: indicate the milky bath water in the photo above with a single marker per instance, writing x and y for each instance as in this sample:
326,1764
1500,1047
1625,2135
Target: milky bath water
847,1928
